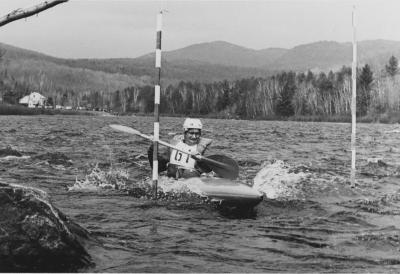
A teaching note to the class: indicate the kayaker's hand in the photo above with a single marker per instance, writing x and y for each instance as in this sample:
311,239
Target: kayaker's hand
197,156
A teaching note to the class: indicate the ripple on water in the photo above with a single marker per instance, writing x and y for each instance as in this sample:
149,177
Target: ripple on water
312,220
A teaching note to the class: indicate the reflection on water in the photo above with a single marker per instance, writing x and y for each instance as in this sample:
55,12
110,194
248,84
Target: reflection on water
311,219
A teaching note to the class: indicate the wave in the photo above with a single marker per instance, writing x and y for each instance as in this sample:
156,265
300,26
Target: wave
12,157
9,153
277,180
99,179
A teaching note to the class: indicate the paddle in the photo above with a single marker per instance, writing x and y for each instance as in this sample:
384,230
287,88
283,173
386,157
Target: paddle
223,166
229,170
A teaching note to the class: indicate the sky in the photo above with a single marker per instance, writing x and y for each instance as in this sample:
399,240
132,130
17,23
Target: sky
127,28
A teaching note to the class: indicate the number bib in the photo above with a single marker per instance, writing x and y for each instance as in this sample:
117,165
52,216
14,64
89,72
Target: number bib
183,159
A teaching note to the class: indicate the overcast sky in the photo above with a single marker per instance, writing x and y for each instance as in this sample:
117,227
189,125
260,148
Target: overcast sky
126,28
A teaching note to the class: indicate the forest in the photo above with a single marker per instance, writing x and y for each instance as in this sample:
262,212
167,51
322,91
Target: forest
285,94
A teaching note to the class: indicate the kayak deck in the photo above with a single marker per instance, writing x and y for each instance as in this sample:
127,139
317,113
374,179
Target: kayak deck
225,191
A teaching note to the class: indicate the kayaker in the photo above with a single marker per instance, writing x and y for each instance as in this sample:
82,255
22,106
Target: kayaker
177,163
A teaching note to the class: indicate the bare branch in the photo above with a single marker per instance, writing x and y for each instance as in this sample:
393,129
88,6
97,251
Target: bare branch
20,13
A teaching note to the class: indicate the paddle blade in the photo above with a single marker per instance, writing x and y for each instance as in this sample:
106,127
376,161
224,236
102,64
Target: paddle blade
227,169
125,129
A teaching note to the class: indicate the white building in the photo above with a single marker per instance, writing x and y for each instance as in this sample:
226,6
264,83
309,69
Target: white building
33,100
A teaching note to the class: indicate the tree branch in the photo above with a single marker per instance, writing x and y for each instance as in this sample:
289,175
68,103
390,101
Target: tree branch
20,13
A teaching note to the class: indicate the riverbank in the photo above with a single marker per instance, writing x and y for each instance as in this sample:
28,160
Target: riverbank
6,109
389,117
383,118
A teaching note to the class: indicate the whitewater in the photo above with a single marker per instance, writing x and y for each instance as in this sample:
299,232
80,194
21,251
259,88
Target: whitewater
311,219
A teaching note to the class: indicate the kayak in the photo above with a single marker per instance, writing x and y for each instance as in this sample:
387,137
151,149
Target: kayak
225,192
222,191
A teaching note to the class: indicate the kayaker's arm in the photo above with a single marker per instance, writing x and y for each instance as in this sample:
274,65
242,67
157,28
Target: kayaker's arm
163,157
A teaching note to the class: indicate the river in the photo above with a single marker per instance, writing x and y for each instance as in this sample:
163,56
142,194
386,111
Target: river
311,220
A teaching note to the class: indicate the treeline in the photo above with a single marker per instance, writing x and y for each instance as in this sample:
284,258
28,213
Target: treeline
282,95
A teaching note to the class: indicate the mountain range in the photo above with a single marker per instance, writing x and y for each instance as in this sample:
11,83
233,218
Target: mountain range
205,62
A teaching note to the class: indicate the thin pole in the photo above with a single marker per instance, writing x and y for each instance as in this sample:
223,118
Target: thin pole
353,103
157,89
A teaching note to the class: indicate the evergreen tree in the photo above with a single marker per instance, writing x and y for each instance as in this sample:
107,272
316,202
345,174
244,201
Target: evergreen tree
365,78
223,99
146,98
392,66
287,80
342,74
364,85
116,101
301,77
310,76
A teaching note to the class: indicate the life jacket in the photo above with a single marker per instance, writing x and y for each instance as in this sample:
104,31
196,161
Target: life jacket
182,161
201,146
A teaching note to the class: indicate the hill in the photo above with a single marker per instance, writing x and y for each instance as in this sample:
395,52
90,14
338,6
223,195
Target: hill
205,62
316,56
330,55
222,53
39,70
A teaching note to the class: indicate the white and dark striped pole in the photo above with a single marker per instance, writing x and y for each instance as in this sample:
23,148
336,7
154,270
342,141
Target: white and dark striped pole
157,91
353,103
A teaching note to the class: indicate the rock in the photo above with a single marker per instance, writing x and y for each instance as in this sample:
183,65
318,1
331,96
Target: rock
35,236
9,151
378,161
55,158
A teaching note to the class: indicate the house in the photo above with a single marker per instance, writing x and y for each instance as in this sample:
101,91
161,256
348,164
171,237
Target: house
33,100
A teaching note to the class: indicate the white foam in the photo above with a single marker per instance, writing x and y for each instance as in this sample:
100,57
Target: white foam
167,184
276,180
12,157
99,179
171,185
393,131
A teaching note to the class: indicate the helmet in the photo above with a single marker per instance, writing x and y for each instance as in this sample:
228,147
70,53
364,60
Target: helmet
192,123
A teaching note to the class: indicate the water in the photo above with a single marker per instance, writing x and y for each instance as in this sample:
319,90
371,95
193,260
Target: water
311,220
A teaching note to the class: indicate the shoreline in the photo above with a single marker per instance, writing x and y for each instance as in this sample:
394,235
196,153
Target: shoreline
383,118
6,109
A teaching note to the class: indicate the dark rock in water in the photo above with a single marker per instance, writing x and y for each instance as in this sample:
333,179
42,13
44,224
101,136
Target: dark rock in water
376,167
56,158
8,151
35,236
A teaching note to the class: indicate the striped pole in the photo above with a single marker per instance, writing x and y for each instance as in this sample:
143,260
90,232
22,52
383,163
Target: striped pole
353,103
157,89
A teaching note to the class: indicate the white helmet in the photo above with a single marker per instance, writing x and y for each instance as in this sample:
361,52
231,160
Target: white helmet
192,123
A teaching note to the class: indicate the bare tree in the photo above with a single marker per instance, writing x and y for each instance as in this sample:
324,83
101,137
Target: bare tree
23,13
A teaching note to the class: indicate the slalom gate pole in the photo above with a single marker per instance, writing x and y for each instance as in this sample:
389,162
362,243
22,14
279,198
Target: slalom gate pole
157,89
353,103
